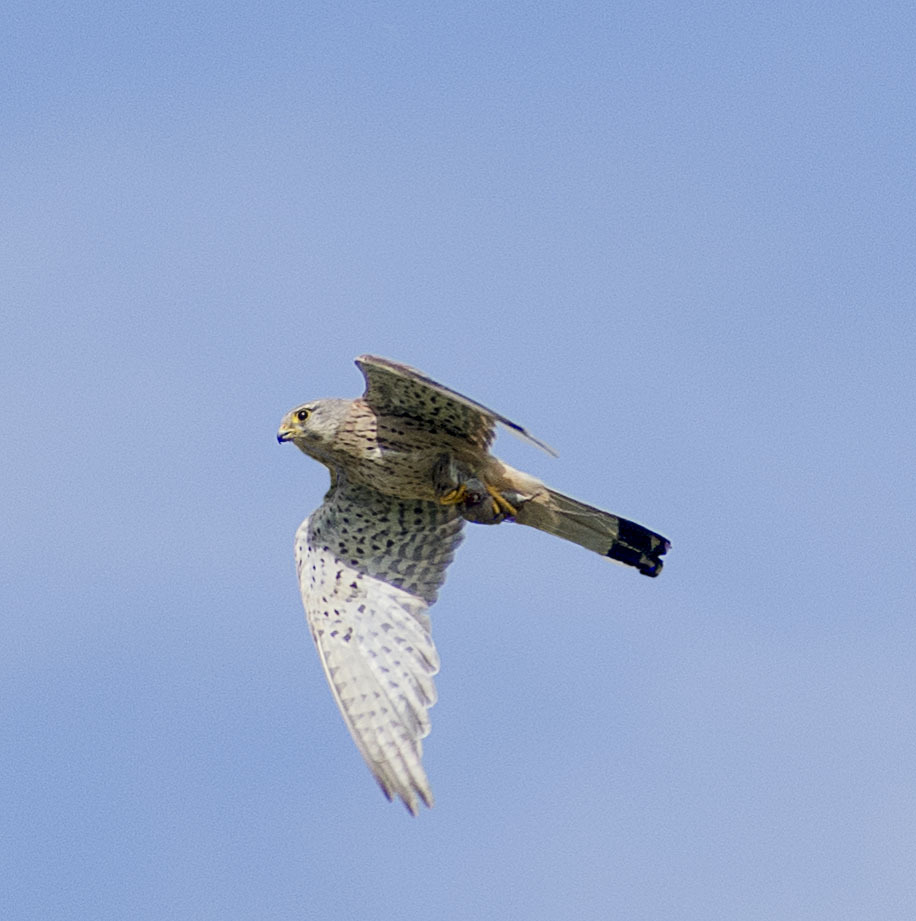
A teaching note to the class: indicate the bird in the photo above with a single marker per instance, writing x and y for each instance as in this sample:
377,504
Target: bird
410,464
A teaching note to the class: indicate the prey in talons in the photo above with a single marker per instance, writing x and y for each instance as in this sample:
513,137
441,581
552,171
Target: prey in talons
476,501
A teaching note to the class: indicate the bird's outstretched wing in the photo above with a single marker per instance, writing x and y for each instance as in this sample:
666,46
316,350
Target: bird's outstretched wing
399,390
369,567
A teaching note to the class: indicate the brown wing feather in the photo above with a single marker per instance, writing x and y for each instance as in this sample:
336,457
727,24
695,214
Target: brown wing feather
399,390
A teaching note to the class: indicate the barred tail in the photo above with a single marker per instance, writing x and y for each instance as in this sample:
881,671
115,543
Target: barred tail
613,537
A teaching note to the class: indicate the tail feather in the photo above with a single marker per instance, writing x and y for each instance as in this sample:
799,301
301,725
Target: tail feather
616,538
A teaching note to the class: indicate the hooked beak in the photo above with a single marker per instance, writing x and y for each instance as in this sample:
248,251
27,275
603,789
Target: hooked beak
284,435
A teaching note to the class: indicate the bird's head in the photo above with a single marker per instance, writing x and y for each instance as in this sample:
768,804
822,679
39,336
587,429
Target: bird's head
312,427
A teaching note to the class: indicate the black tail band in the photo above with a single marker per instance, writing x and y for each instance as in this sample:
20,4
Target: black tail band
638,546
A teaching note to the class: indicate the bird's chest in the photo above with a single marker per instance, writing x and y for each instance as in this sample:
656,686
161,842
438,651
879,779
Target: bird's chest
396,456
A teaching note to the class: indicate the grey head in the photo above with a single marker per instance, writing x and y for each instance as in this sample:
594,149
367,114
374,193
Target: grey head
313,426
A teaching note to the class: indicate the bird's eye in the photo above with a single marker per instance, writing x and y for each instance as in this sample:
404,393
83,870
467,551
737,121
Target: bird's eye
302,415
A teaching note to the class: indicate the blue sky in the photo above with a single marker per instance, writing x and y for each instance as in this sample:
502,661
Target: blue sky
676,242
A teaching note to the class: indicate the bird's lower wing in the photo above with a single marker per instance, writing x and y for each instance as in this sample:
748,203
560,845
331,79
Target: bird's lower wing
369,567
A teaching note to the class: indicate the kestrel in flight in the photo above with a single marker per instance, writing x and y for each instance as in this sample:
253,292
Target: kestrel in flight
410,463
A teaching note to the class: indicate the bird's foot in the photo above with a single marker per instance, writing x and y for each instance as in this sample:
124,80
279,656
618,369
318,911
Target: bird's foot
485,505
475,500
454,496
501,505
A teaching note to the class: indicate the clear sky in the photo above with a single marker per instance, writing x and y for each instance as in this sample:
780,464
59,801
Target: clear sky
676,241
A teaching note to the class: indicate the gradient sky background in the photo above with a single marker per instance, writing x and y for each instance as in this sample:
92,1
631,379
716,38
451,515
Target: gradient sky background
676,241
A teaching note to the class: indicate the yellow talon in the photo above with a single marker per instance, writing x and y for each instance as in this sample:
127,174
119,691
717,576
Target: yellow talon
501,504
454,496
